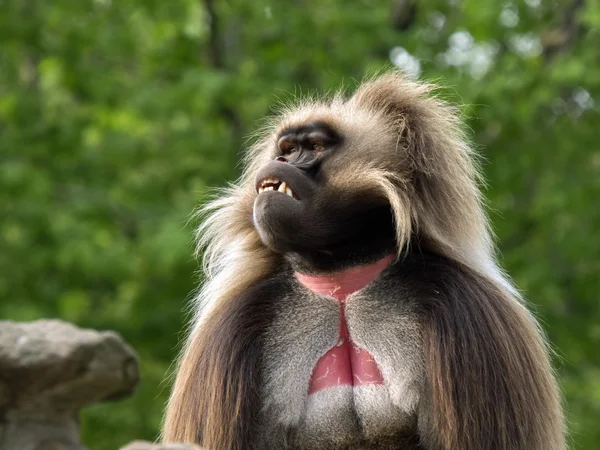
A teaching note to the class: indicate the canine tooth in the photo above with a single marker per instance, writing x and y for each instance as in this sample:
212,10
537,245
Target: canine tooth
289,192
282,187
261,189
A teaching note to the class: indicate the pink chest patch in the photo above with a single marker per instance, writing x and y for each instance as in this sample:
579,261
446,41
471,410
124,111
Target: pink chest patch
344,364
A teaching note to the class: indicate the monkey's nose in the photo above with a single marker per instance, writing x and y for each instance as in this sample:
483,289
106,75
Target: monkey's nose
281,159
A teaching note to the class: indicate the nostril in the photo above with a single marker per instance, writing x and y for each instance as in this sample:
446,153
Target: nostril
281,159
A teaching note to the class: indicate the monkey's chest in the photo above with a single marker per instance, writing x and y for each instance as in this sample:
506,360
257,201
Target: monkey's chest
346,364
347,398
339,372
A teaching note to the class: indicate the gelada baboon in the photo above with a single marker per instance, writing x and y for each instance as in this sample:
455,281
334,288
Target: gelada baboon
352,299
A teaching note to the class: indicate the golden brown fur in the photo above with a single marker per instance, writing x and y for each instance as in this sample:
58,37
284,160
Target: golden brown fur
421,163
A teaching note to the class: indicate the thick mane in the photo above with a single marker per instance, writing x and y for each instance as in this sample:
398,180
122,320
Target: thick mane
447,204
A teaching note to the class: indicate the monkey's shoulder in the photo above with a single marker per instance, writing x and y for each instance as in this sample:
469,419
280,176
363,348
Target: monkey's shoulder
424,280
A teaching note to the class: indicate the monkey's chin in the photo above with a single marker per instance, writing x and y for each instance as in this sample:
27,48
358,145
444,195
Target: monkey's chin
278,219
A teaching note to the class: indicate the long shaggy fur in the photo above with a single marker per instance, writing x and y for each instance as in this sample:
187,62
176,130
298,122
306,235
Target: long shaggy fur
432,187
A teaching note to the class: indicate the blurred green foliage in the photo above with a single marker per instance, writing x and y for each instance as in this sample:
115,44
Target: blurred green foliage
116,118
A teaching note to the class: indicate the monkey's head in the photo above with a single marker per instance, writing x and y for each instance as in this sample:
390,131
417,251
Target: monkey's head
314,202
347,181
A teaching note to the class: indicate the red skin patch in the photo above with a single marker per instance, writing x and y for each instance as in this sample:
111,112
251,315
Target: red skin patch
345,364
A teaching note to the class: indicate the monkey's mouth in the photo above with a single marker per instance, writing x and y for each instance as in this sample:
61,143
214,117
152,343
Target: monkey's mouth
273,184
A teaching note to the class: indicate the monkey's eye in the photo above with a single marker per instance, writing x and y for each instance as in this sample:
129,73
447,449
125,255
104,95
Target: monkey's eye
317,146
285,145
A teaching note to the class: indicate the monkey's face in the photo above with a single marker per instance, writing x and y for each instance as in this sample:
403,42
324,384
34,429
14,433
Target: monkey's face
314,201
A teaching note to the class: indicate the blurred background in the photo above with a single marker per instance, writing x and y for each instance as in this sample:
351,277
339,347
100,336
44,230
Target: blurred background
117,117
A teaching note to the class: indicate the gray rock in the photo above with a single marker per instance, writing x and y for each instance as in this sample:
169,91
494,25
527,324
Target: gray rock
49,370
143,445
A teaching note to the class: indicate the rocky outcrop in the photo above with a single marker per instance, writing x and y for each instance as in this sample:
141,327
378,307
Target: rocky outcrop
49,370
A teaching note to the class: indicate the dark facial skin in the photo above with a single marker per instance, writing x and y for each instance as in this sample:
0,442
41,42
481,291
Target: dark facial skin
319,229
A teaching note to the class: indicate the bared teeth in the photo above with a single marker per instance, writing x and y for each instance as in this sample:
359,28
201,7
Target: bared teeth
273,184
